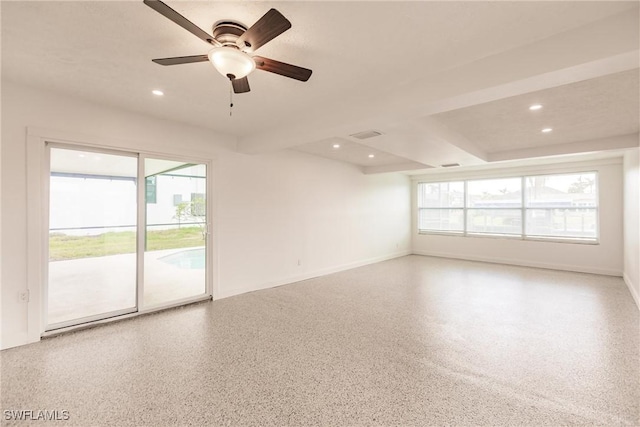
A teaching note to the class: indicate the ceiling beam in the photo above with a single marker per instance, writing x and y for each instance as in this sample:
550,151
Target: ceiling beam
600,144
427,141
600,48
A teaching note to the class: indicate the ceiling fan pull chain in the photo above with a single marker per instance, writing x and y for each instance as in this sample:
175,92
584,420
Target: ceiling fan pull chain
230,98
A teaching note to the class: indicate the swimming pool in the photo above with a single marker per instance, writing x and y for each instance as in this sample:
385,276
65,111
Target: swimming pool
190,259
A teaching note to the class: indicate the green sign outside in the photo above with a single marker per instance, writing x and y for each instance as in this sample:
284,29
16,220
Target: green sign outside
151,189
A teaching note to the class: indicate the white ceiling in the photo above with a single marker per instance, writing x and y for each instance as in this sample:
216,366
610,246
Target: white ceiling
443,81
588,109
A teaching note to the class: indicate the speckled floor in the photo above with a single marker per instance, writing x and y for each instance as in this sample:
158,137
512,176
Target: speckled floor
411,341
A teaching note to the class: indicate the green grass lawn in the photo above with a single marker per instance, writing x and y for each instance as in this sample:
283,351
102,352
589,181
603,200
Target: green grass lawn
62,246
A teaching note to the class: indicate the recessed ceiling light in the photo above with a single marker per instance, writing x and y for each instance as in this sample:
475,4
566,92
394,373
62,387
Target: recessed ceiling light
157,92
81,155
546,130
371,156
336,145
535,107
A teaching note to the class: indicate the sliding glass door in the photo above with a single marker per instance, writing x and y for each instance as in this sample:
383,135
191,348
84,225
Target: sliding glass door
175,232
92,236
127,233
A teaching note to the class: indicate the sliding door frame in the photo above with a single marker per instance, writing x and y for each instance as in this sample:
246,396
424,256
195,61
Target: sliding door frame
37,187
142,221
45,267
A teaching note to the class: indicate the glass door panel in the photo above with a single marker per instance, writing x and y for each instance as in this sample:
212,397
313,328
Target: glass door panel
92,236
176,235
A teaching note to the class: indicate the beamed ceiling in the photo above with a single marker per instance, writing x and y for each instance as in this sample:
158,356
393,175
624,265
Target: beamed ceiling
443,82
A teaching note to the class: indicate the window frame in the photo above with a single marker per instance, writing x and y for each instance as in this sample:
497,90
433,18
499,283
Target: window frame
468,208
523,235
563,239
461,208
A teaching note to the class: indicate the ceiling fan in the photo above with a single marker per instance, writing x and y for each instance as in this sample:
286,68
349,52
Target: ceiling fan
232,43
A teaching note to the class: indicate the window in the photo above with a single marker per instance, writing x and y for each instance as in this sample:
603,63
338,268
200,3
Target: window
536,207
564,206
441,206
494,206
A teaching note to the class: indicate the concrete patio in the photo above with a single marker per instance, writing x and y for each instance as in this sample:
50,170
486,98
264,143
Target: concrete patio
89,286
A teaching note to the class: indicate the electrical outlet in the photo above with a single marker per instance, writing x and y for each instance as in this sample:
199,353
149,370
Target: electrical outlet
24,296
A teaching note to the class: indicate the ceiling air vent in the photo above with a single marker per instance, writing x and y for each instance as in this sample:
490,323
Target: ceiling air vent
366,134
450,165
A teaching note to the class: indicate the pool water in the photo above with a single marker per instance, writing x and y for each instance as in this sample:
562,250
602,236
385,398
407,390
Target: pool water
191,259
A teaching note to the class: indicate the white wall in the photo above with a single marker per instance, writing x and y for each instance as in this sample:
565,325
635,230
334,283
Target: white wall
291,206
632,223
604,258
270,210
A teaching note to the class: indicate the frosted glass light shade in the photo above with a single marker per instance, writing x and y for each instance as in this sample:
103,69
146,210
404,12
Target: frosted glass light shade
231,63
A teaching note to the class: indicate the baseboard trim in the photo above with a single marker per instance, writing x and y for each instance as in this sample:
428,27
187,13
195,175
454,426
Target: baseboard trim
632,289
15,341
523,263
311,275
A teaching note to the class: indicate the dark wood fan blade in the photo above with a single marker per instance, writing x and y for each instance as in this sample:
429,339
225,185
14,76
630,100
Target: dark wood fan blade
240,85
167,12
287,70
270,26
181,60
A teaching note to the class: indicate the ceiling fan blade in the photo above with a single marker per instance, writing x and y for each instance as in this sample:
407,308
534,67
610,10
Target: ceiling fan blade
287,70
240,85
167,12
181,60
270,26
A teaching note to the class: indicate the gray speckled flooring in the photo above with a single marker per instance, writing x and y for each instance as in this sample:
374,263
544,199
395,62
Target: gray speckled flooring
411,341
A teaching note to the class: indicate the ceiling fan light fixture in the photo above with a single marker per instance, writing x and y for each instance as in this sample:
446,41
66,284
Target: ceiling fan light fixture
231,63
233,42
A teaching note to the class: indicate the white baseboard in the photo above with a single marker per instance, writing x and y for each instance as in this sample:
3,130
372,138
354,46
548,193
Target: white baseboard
15,340
523,263
632,289
309,275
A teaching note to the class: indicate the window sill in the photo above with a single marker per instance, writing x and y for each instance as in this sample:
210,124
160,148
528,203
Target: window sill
441,233
573,240
570,240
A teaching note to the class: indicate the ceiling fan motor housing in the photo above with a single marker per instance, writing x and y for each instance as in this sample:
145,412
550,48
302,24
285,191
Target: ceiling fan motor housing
227,32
